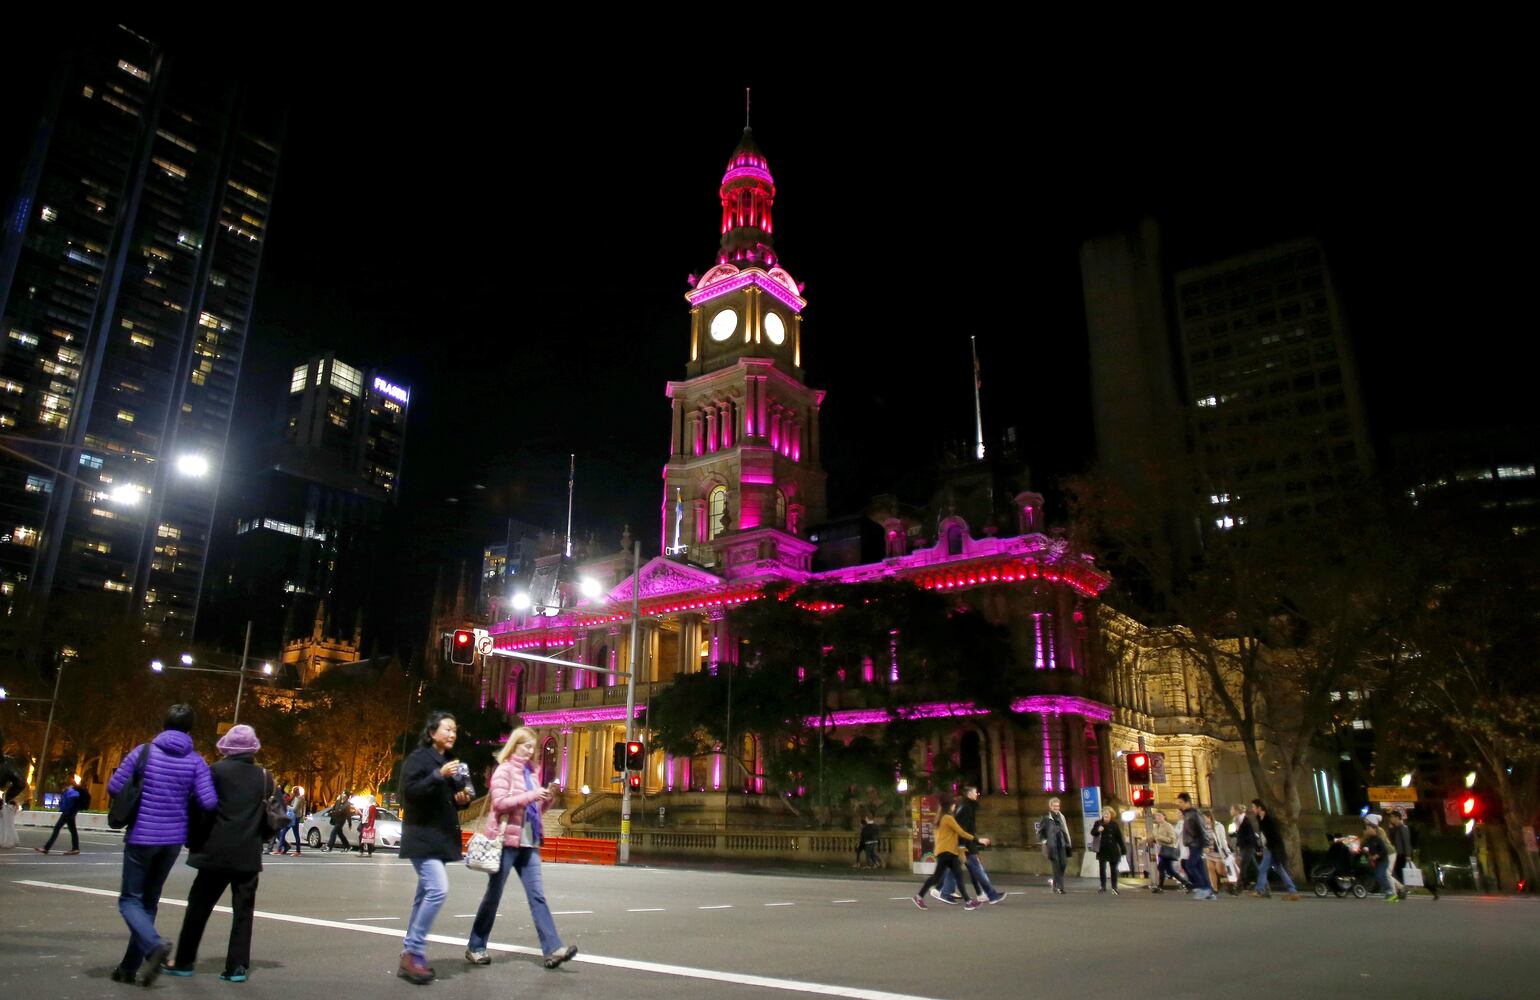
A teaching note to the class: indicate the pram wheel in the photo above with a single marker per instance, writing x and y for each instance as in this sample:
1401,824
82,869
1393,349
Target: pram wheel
1321,890
1359,892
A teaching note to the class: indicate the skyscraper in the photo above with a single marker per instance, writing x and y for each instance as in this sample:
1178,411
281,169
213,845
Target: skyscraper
128,266
308,540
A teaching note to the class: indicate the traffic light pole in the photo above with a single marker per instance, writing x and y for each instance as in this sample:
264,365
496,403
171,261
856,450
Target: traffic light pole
1149,824
623,851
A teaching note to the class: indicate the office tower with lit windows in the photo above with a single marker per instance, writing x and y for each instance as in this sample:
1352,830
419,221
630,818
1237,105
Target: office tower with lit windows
128,266
302,538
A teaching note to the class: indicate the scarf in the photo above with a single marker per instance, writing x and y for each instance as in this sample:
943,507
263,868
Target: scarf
533,835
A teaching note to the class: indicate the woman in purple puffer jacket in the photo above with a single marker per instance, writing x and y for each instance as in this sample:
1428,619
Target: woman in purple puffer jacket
174,778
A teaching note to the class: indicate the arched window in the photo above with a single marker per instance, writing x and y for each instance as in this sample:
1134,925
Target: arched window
780,509
954,540
715,511
548,761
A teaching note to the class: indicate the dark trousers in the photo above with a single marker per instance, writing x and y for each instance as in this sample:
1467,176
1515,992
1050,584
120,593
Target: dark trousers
145,867
946,862
1167,866
337,833
65,819
1059,861
1197,870
1101,871
206,889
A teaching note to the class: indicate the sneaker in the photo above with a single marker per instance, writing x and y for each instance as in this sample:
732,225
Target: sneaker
559,956
1392,898
120,975
1114,892
414,969
235,975
919,901
1404,892
478,957
1156,889
999,897
1292,897
180,971
949,900
1102,891
973,904
293,854
75,851
153,962
41,850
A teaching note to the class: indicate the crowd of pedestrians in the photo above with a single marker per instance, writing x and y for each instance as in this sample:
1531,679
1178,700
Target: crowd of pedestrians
230,814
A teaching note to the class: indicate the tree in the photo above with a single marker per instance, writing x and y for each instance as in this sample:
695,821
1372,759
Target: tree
1469,684
809,648
1275,613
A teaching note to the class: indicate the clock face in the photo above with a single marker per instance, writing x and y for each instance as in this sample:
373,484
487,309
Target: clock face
775,328
723,324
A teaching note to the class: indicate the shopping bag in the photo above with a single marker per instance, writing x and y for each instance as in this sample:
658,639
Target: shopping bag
1411,877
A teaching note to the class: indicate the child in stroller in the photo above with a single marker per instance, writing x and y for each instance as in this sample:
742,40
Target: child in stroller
1343,871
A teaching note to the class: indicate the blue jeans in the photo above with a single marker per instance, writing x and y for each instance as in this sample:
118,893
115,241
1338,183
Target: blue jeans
283,835
1382,875
1197,871
525,861
1262,869
980,880
432,890
145,868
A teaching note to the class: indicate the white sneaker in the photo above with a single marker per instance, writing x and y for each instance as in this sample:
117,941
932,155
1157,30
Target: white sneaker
936,894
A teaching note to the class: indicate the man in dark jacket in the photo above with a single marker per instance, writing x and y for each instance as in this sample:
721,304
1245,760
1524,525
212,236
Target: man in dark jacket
967,818
1272,853
175,778
228,854
1248,842
69,808
1053,831
1401,840
434,788
1195,839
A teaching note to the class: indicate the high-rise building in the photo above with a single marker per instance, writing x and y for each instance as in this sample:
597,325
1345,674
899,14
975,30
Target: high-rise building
128,265
308,541
1241,368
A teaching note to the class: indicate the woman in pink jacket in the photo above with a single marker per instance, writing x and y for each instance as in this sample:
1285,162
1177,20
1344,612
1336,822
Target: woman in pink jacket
517,801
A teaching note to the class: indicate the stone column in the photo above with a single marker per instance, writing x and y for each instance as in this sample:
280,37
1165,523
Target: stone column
711,427
676,428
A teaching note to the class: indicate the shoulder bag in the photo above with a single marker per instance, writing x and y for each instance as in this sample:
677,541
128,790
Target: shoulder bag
275,813
125,805
483,854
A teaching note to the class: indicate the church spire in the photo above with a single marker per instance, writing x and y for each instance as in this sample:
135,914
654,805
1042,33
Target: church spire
748,192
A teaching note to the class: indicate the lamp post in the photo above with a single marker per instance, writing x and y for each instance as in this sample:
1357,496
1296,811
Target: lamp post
623,851
187,661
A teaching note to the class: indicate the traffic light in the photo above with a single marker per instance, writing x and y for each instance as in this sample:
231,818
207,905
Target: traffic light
618,756
636,781
1468,808
1138,768
1142,796
462,647
636,755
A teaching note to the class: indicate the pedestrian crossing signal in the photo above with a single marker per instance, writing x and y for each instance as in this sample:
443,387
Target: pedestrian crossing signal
462,647
636,781
1138,768
636,755
618,756
1142,796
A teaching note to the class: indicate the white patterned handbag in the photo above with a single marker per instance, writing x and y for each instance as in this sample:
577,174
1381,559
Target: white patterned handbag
483,854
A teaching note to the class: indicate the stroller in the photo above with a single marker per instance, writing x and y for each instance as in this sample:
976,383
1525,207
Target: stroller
1343,872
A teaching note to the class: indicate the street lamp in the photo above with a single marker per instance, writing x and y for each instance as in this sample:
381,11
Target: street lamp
159,666
194,466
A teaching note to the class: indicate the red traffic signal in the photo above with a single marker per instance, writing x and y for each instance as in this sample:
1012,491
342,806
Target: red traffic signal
462,647
1138,768
1468,807
1142,796
635,779
636,755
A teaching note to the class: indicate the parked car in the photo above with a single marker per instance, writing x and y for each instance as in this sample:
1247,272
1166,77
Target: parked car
317,829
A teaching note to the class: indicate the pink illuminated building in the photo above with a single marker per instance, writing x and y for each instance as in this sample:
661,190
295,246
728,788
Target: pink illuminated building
742,491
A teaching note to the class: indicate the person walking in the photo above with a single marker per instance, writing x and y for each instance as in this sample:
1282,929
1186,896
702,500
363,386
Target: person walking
69,808
1216,853
366,831
1107,835
229,856
175,780
948,833
1248,843
12,787
433,787
1195,842
1053,831
1272,854
867,842
514,816
967,818
1166,854
1396,886
341,816
1401,840
1374,845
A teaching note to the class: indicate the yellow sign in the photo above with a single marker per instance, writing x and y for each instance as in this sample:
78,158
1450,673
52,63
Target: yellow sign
1391,793
224,727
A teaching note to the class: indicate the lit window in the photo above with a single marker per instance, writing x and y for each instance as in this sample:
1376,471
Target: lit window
48,214
217,280
125,417
347,378
14,388
1224,523
1208,401
22,535
25,339
38,484
132,70
140,340
169,531
198,378
87,91
300,379
1515,472
116,585
171,169
718,508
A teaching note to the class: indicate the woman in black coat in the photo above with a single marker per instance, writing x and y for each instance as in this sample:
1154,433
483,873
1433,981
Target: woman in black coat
433,788
1110,848
227,853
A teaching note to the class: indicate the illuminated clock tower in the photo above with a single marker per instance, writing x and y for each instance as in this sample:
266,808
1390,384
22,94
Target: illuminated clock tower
743,482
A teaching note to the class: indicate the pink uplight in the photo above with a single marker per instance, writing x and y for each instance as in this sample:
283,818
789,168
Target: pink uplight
576,716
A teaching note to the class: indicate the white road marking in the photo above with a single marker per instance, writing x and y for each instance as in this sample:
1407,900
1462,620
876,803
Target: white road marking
356,919
647,909
659,968
725,906
844,901
565,913
780,904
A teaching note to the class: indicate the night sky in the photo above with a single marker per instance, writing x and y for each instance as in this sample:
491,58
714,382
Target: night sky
512,241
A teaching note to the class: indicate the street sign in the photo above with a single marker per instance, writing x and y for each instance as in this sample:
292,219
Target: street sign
224,727
1157,768
1090,812
1385,794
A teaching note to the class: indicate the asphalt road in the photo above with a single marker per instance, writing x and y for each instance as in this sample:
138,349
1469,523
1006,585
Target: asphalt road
329,926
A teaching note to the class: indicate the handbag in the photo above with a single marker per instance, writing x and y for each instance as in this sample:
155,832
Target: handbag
1411,876
275,813
125,805
483,854
1168,852
1095,846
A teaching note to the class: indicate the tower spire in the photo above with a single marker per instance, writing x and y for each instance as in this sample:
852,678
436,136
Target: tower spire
746,122
748,192
978,407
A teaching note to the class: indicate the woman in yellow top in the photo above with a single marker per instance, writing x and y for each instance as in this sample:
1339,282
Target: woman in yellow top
948,832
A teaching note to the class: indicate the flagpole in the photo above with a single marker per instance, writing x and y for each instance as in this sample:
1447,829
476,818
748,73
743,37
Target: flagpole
978,406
